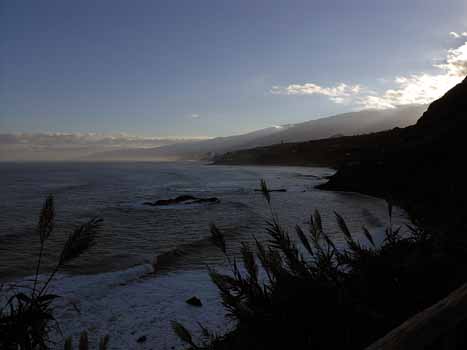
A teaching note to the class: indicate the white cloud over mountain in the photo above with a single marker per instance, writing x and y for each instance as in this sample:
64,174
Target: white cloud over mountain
337,93
418,88
457,35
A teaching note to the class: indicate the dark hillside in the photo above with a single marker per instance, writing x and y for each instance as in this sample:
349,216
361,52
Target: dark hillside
424,169
421,166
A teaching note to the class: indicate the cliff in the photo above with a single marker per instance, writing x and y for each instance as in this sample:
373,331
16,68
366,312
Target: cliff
421,166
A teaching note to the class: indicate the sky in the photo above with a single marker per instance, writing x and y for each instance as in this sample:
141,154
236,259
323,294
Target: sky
216,68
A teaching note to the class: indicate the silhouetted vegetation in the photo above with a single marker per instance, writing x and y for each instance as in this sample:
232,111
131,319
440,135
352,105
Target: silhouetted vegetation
303,292
26,319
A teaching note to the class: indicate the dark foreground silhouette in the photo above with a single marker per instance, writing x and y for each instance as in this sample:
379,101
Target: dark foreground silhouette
318,297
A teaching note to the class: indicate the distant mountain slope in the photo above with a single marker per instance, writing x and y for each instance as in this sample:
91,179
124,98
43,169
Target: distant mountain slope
195,150
348,124
344,124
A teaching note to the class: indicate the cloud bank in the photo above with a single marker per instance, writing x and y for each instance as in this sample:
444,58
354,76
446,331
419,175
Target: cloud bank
66,146
419,88
337,94
458,35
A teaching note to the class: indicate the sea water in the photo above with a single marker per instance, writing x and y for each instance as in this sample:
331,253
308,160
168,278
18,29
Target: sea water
148,260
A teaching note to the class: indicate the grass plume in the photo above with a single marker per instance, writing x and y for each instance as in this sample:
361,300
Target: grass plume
26,320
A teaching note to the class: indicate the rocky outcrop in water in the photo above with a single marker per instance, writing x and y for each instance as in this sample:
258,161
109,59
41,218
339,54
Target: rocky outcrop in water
185,199
276,190
194,301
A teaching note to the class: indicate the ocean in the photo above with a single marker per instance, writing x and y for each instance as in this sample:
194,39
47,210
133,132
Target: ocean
113,288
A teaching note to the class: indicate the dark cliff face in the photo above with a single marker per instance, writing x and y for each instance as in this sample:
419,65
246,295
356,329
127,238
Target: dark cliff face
423,168
449,109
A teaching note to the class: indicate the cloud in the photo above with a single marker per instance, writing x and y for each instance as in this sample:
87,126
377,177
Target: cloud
415,89
418,88
194,116
456,61
62,146
89,139
458,35
337,94
422,88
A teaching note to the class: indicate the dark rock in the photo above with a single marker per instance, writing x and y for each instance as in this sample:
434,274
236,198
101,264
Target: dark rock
207,200
185,199
178,200
194,301
278,190
142,339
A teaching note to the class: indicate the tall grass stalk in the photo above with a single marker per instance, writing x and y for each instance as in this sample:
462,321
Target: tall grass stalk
26,319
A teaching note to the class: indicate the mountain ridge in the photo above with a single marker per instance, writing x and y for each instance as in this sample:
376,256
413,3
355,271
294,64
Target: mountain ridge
352,123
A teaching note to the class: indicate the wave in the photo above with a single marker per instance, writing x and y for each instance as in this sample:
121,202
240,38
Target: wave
85,284
167,259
